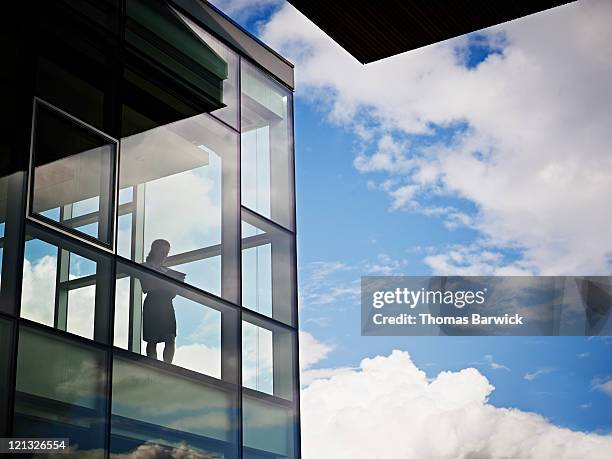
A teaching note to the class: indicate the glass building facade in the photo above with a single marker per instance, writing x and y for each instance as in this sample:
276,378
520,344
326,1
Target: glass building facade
148,300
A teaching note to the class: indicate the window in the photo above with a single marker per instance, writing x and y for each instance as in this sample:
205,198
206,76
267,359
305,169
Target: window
267,147
267,357
60,391
148,308
180,185
161,414
12,190
268,429
65,285
268,276
72,175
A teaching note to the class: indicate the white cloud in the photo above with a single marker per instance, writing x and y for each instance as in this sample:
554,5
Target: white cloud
385,265
604,385
536,374
388,409
583,355
474,260
200,358
243,9
38,291
311,350
493,364
319,284
534,159
315,374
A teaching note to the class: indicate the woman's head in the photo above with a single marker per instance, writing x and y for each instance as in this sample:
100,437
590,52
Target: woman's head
159,251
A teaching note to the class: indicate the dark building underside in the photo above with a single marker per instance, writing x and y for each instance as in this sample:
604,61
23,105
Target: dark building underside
378,29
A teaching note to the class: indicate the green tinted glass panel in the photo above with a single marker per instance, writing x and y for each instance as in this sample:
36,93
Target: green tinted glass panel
60,391
268,430
155,410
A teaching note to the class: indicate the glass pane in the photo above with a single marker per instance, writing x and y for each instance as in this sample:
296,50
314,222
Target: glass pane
161,414
60,392
268,430
184,211
12,210
162,320
72,175
74,45
268,266
257,358
267,146
62,288
6,350
268,360
229,113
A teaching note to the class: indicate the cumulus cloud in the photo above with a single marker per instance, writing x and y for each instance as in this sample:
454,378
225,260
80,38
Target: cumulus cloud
313,351
530,141
388,409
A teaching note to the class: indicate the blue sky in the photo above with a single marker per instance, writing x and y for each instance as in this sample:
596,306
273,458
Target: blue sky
349,225
484,155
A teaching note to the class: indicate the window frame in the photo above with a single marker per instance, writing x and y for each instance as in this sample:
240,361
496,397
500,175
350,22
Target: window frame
113,182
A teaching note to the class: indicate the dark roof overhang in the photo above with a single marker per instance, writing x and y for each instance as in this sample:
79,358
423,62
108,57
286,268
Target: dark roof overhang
376,29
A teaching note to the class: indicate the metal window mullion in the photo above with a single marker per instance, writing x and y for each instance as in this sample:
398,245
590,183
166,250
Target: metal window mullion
62,275
137,254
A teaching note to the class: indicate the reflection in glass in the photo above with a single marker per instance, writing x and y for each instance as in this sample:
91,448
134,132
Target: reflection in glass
183,184
267,269
12,191
266,146
72,169
155,412
147,305
257,358
267,357
40,287
62,288
60,387
6,350
268,430
229,113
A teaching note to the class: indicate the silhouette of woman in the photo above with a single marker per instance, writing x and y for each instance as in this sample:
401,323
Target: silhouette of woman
158,318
